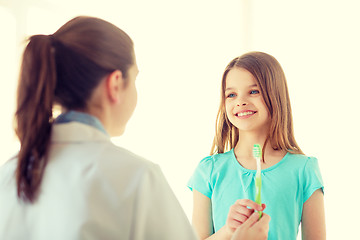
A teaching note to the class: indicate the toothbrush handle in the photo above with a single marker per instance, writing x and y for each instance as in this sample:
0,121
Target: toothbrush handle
260,212
258,193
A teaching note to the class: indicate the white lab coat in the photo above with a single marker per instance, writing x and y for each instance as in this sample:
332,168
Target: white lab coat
92,189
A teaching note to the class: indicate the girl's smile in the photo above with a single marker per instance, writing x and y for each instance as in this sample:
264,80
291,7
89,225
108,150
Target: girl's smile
245,114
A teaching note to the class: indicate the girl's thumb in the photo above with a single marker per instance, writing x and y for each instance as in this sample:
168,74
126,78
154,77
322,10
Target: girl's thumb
251,220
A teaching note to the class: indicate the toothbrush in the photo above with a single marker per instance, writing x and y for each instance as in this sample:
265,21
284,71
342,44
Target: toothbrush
257,155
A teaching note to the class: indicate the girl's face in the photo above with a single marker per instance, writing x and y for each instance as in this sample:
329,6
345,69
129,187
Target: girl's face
244,104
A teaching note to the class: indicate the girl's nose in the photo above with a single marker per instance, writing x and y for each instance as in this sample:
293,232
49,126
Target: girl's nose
241,103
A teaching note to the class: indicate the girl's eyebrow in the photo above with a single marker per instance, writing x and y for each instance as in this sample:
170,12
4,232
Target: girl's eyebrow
229,89
251,86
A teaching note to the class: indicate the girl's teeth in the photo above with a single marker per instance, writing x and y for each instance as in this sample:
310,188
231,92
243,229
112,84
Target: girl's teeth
245,114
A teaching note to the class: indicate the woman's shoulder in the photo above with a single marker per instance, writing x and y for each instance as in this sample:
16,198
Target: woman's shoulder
120,169
7,171
99,161
121,157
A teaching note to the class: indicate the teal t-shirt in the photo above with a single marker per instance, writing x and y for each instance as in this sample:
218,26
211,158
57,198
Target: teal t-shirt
285,187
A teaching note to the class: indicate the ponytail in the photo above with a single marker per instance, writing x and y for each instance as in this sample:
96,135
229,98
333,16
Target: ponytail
33,116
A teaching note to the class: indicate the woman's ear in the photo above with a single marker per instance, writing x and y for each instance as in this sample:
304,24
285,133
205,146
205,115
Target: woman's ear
115,86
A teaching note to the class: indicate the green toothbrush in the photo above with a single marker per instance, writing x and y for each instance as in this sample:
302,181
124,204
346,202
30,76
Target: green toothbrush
257,155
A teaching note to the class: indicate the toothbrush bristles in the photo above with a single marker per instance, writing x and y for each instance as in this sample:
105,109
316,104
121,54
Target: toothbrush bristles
257,151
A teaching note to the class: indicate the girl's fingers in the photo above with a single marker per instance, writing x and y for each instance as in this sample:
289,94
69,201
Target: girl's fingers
265,219
233,224
254,219
249,203
234,214
236,208
251,220
239,217
241,211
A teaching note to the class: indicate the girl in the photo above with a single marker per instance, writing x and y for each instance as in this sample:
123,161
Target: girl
68,180
255,109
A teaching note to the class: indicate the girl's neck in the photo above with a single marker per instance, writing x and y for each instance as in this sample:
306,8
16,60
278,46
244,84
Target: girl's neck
244,151
245,144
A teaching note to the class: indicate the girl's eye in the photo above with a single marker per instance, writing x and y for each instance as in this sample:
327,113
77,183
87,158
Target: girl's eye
231,95
254,92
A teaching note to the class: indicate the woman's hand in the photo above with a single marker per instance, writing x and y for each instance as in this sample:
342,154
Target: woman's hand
253,229
239,212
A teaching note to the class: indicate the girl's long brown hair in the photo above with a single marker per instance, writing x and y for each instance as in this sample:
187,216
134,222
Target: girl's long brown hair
62,68
271,80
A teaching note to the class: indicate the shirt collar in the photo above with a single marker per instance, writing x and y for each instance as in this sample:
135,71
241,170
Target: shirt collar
75,116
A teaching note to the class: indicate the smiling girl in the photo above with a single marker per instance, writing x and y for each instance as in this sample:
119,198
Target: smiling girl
255,109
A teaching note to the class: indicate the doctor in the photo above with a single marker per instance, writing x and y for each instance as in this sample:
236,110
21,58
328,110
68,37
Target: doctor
68,180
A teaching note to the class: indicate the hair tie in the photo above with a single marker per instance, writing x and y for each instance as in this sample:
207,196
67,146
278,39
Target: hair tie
52,42
52,38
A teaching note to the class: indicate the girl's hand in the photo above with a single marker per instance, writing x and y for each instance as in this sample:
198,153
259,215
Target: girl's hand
253,229
239,213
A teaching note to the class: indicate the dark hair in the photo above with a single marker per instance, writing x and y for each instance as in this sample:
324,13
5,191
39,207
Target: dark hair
271,80
62,68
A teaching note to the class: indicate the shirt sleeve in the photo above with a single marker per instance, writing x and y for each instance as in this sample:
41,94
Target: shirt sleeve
201,179
158,213
312,178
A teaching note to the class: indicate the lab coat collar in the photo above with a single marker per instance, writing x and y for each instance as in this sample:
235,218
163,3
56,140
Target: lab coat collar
71,116
77,132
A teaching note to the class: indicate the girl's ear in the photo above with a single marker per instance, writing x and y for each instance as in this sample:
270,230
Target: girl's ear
115,86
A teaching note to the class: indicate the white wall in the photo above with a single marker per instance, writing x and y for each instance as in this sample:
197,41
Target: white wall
8,75
182,48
